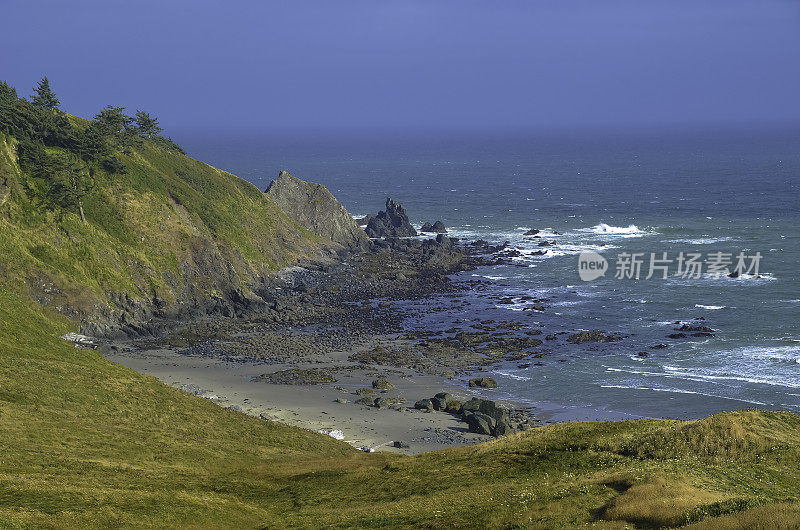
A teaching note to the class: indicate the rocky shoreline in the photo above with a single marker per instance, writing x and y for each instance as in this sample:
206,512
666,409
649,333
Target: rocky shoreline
337,323
335,331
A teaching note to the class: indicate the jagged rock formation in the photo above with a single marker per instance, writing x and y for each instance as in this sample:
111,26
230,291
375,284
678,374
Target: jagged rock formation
316,209
435,228
393,222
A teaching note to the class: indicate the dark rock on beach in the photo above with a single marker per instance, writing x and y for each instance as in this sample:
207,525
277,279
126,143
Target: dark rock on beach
482,382
439,403
479,423
296,376
486,417
382,384
425,405
381,402
445,396
454,407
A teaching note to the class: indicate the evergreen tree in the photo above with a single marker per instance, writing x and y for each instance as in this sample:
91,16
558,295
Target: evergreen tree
92,144
112,121
70,182
7,93
147,125
44,96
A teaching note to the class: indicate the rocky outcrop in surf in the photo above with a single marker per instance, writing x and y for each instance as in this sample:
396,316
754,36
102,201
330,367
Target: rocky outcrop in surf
435,228
393,222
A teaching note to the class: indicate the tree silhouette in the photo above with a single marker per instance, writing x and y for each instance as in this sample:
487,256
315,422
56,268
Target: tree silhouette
44,96
147,125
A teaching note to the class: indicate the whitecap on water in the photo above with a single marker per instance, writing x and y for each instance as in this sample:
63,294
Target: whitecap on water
707,376
680,391
512,376
705,240
606,229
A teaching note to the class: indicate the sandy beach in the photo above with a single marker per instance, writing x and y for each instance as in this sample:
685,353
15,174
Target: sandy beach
330,406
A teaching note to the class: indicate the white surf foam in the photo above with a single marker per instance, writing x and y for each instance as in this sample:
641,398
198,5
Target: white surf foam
606,229
681,391
682,373
512,376
706,240
788,353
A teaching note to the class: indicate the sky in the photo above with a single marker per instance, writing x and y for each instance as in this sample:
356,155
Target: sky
244,65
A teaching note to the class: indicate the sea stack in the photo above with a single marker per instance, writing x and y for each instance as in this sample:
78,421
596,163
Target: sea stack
393,222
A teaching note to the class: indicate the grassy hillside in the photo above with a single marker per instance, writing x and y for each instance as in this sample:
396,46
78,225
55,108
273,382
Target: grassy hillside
85,442
165,227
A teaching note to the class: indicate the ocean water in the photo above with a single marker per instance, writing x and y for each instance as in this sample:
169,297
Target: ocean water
622,192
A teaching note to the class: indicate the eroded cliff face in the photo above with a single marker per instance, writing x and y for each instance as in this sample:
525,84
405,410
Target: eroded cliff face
315,208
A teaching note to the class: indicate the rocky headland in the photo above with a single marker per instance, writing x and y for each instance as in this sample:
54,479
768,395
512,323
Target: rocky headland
333,324
287,345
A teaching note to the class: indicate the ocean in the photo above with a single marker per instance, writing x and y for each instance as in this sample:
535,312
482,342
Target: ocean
718,194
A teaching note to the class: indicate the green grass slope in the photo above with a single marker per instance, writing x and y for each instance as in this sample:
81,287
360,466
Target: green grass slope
87,443
169,227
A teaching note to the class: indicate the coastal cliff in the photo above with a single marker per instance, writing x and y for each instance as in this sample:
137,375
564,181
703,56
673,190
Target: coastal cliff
172,238
316,209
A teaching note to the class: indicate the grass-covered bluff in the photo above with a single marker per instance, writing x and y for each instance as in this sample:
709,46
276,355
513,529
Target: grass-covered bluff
161,230
85,442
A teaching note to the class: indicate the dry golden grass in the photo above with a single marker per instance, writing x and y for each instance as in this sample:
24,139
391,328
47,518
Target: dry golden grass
658,502
778,516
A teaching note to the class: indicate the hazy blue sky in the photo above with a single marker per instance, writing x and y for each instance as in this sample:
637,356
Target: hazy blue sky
412,64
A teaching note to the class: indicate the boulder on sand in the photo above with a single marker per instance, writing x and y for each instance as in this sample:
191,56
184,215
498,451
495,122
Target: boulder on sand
498,416
424,404
502,428
439,403
445,396
382,384
479,423
453,407
381,403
